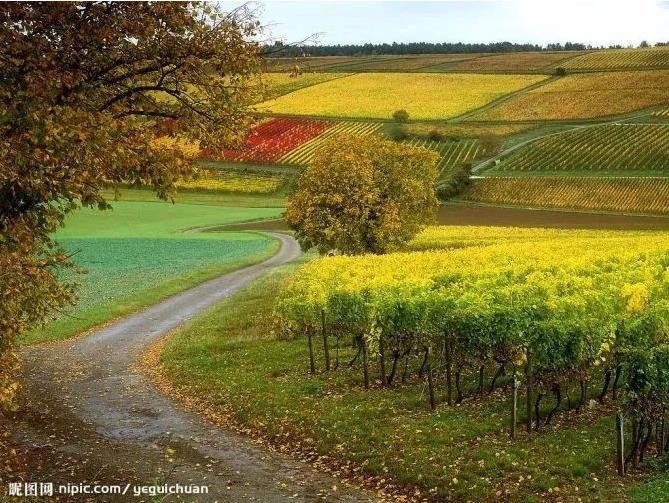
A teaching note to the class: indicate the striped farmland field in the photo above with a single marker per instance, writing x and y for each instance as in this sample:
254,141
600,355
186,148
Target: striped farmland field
652,57
620,194
303,154
451,153
611,147
664,113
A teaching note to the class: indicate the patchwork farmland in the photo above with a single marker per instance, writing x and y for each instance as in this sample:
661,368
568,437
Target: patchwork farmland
467,108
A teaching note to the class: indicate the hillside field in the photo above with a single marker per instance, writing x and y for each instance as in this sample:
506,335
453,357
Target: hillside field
585,96
378,95
651,57
622,148
621,194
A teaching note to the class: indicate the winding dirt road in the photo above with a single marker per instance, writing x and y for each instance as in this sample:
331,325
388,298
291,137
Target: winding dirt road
89,415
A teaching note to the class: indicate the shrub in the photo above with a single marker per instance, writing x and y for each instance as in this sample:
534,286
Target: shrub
435,135
401,115
399,134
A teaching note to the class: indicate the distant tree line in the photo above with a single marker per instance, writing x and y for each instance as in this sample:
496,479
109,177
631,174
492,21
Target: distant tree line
291,51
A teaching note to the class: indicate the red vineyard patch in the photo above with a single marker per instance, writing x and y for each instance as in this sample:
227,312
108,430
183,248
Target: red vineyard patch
272,139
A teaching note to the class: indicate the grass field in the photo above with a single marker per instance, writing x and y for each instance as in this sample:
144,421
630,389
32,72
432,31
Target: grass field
608,148
651,57
138,253
232,367
585,96
378,95
622,194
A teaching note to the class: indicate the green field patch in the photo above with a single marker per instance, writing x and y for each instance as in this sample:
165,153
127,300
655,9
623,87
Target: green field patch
141,252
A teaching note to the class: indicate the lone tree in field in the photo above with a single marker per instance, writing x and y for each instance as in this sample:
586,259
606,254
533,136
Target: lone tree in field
363,195
83,88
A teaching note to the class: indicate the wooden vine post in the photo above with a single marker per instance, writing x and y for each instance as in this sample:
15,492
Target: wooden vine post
310,341
430,386
365,363
382,360
449,372
514,404
661,433
620,444
326,347
530,383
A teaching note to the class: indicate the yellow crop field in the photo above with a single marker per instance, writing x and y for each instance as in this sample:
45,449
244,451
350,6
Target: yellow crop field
464,130
629,195
651,57
231,181
583,96
378,95
282,83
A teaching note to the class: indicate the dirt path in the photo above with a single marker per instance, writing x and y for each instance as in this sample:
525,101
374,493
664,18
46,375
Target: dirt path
89,415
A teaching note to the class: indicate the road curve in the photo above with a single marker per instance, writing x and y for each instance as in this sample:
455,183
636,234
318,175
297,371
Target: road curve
90,415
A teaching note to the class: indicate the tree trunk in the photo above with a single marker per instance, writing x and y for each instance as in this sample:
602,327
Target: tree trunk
619,369
423,364
646,441
359,342
481,379
584,394
537,410
607,380
406,367
557,391
637,428
498,374
393,370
